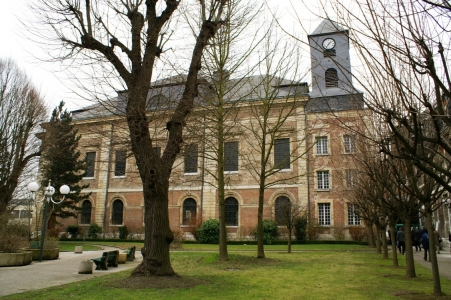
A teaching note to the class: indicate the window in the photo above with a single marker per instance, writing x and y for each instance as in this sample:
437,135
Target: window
331,78
120,164
191,158
189,212
324,213
91,163
322,145
231,156
231,212
323,182
329,52
353,215
349,143
86,208
283,210
282,154
351,177
117,217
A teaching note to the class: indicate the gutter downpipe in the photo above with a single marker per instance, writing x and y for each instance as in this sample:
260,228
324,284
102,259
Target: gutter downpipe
107,184
308,162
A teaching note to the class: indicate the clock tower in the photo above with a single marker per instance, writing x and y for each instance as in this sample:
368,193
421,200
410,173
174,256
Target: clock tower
332,87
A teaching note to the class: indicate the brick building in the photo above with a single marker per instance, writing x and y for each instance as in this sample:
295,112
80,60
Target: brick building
312,152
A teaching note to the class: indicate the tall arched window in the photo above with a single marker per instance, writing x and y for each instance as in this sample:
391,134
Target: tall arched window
331,78
283,210
117,217
189,212
86,208
231,212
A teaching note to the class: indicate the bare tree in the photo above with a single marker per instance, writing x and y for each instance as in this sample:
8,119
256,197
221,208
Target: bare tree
275,109
22,110
287,214
125,39
225,90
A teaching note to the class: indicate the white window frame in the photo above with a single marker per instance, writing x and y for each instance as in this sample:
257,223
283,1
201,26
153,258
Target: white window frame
324,214
349,143
353,217
323,180
322,145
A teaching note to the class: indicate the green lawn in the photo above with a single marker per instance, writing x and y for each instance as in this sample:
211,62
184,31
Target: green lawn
313,272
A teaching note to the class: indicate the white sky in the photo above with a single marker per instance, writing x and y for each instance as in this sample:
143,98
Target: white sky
50,78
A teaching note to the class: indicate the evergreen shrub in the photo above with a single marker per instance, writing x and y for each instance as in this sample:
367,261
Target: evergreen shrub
208,232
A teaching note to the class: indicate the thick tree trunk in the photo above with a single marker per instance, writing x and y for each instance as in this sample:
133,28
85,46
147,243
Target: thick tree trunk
289,239
156,260
370,235
378,239
410,264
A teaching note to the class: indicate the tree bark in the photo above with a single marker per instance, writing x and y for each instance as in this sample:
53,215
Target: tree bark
433,255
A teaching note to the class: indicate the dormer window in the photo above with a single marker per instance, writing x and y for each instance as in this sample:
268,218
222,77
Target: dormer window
331,78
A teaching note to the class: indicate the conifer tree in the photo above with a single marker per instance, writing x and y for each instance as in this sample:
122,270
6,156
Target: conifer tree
62,163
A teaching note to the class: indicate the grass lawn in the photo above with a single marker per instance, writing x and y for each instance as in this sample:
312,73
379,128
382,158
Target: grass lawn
318,272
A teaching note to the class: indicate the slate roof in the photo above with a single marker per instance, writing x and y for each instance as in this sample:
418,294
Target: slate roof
166,93
327,26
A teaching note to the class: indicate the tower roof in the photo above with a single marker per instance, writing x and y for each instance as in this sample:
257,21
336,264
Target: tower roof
327,26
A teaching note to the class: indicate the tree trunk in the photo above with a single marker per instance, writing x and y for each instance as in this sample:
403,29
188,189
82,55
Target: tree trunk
370,236
156,260
384,242
410,264
260,247
378,239
289,239
393,244
433,255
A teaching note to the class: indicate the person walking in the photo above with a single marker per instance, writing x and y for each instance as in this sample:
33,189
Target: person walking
416,238
425,244
437,241
401,241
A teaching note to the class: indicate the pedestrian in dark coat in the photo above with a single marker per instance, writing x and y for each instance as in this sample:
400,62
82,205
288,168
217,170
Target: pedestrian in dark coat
425,244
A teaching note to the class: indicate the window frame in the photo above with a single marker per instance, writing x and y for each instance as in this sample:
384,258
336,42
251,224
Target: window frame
322,145
231,211
84,214
192,210
120,163
331,78
324,214
349,143
91,162
191,159
353,215
115,213
231,157
282,154
323,182
280,208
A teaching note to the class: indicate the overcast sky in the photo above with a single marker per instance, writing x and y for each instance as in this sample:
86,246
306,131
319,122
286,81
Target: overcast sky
49,77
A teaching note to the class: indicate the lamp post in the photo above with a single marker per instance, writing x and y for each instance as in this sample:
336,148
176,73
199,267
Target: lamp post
48,193
447,203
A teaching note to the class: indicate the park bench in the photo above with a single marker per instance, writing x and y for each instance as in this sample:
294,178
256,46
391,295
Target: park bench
101,262
112,258
130,253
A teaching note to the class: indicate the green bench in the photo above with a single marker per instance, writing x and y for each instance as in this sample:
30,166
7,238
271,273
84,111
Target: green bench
112,258
101,262
130,253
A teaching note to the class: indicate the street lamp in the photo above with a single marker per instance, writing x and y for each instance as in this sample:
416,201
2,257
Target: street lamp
447,203
48,193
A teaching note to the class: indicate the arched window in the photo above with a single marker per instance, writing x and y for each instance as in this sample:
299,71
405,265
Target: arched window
331,78
117,217
283,210
231,212
189,212
86,207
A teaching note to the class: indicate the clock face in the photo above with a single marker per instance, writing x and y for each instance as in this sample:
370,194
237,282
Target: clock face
328,44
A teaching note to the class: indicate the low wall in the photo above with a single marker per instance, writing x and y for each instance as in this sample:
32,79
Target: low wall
15,259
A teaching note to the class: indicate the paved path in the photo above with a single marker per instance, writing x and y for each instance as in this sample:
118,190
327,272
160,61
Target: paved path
443,259
49,273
